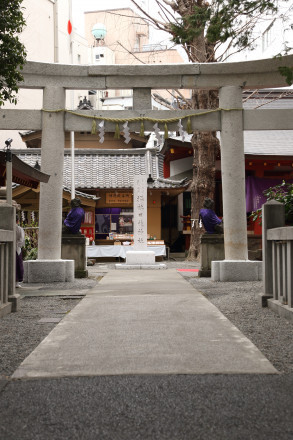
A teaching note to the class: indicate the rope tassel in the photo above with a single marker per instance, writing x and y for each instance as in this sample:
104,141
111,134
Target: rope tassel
94,126
141,129
188,127
166,131
117,132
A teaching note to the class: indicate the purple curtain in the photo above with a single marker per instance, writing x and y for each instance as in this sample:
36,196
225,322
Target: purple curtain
254,191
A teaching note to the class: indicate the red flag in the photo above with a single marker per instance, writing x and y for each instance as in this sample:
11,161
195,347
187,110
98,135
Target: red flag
69,27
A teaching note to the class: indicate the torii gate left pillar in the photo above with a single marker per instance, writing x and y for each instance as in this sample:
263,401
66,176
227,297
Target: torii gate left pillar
49,267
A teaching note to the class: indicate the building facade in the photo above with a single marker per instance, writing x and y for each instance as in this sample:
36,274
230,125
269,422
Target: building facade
46,39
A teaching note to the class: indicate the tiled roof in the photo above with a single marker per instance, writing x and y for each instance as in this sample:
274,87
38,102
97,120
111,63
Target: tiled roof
263,142
269,142
109,168
68,190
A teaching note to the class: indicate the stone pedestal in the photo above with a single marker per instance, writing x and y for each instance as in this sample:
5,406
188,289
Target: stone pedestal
48,271
140,257
141,260
211,249
74,247
237,270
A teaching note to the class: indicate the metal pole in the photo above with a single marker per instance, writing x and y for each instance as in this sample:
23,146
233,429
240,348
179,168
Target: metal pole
9,183
72,166
8,172
72,107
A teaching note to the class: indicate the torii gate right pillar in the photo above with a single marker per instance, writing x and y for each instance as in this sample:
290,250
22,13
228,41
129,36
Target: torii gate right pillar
236,266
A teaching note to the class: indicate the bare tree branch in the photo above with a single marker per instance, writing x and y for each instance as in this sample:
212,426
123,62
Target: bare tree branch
282,95
161,101
166,11
172,4
183,98
251,95
131,53
187,103
157,23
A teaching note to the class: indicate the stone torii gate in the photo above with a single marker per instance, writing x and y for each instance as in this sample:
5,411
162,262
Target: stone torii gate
229,78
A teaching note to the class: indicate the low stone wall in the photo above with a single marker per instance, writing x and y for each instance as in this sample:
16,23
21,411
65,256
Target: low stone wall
74,248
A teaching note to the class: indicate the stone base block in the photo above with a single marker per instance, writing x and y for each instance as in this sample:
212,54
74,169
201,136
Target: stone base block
140,257
204,273
14,300
211,249
5,309
263,299
74,248
81,273
48,271
281,309
126,266
236,270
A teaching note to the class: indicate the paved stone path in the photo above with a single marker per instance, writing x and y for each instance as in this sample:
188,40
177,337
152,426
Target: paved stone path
143,322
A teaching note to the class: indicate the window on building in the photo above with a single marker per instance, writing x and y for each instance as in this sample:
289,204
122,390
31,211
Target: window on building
268,36
99,56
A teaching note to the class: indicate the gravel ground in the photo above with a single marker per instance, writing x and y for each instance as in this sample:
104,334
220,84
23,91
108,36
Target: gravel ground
21,332
240,303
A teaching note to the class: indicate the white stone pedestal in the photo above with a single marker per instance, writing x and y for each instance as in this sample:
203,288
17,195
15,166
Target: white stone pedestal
141,260
48,271
236,270
140,257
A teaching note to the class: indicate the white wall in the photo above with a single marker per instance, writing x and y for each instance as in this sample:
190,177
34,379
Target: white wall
180,165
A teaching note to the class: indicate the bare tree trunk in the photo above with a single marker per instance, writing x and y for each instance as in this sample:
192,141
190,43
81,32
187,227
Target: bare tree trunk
205,148
205,144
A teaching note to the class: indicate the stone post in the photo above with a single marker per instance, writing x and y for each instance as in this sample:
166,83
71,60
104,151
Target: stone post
53,138
236,266
140,212
139,255
273,216
142,99
233,174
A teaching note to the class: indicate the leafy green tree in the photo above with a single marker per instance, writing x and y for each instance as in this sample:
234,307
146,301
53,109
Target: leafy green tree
12,51
208,32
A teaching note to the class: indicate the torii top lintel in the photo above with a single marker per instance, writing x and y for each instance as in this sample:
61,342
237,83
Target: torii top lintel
249,74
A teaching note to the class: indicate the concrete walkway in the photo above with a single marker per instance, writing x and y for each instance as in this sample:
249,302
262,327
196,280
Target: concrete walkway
143,322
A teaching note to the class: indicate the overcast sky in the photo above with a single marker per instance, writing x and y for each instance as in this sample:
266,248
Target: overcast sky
80,6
